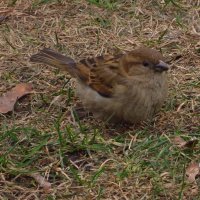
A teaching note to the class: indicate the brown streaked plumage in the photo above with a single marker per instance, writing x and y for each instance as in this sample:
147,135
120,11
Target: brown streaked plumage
127,87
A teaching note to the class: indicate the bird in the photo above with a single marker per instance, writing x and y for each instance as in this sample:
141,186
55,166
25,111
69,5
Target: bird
128,87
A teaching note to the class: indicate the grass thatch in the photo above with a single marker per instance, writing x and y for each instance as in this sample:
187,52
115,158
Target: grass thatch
88,159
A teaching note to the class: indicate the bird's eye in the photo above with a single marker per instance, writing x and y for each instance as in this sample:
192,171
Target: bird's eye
145,63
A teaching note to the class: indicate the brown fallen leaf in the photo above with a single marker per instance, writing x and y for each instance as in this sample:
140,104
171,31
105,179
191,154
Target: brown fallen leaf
192,171
178,141
8,100
42,182
181,143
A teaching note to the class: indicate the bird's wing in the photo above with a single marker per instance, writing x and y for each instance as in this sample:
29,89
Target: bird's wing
100,73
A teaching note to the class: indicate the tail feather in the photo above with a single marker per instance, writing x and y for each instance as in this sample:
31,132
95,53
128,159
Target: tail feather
52,58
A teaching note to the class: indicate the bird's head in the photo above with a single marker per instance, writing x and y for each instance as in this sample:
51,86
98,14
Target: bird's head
143,61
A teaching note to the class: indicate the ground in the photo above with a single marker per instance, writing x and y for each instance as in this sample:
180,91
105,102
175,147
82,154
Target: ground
88,159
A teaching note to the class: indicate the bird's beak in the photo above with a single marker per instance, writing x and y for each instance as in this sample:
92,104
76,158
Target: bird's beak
161,66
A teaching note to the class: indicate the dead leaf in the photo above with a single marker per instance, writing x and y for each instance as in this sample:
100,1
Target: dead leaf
42,182
8,100
178,141
192,171
181,143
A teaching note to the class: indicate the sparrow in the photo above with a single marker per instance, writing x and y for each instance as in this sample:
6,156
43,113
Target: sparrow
127,87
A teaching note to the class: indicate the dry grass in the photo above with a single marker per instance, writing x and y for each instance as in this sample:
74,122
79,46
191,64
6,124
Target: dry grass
87,159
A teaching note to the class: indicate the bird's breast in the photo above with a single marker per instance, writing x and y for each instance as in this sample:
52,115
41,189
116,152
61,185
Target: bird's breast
132,103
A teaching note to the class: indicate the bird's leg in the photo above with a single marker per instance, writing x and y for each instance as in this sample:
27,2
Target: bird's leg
80,111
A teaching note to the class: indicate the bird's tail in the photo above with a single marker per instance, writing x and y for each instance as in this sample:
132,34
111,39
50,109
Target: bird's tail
52,58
